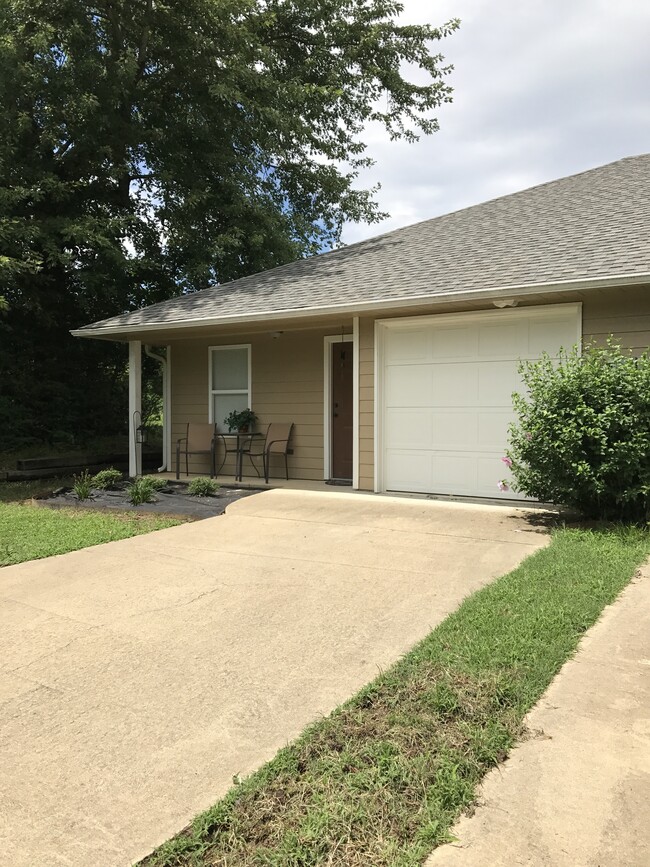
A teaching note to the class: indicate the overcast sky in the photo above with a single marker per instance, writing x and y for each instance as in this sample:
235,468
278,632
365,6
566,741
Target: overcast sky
542,89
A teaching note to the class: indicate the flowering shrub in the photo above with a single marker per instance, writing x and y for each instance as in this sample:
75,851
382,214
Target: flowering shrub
583,434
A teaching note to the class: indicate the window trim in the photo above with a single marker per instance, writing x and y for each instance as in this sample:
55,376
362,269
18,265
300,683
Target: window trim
212,391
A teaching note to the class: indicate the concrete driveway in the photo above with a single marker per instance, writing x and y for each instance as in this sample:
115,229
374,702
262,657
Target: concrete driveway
137,677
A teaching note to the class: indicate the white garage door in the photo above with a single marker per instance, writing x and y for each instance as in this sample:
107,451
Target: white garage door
445,394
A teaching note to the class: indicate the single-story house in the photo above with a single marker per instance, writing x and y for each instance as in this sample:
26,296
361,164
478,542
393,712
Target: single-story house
396,357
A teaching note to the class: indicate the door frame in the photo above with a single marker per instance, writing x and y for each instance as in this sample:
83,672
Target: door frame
328,343
383,325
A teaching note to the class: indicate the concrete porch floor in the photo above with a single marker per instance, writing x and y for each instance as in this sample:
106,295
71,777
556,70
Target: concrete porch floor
259,483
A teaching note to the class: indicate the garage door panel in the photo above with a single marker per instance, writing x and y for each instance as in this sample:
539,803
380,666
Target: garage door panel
493,430
409,470
550,336
453,471
406,384
409,428
496,382
490,469
453,385
453,430
408,345
502,339
454,343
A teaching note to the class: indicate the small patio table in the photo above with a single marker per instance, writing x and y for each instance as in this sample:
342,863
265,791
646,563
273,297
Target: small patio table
240,442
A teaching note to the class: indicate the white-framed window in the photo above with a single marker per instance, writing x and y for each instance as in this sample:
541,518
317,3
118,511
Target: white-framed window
230,381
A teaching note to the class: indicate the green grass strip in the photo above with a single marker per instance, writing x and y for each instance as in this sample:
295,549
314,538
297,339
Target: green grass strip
29,533
381,780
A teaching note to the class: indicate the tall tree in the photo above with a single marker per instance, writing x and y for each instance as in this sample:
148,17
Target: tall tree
151,147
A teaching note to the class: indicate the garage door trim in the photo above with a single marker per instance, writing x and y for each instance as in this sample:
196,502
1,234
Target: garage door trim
442,320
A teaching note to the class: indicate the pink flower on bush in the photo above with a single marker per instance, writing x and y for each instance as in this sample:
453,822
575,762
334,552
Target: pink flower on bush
503,486
528,435
507,461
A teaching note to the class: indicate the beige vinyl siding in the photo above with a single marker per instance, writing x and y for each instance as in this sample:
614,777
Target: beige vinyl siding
623,312
287,385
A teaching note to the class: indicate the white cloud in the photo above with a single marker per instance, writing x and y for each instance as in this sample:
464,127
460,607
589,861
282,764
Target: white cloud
543,88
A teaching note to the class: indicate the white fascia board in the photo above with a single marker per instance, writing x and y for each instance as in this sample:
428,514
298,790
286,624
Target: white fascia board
371,306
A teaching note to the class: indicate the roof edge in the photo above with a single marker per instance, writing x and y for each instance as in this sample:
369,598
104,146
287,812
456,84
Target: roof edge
370,306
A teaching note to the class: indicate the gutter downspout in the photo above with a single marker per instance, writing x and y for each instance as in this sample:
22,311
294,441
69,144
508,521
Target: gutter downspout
165,403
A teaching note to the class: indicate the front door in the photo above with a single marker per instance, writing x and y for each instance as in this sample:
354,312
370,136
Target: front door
342,413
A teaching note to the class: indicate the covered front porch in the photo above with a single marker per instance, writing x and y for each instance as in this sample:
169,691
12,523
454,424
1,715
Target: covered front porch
304,376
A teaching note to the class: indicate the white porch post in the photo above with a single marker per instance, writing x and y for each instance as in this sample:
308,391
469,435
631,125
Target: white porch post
167,410
135,405
355,403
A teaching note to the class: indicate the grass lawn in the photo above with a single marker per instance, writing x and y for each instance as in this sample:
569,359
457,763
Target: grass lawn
29,533
381,780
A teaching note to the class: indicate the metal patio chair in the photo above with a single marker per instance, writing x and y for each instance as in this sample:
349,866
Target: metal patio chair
199,439
276,442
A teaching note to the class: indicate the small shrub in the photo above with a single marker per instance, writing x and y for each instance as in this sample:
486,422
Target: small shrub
141,491
583,435
202,487
157,482
82,485
107,480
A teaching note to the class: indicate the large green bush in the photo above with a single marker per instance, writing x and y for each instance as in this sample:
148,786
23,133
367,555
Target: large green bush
583,435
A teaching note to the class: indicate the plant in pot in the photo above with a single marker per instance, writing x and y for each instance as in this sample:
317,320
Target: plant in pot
240,422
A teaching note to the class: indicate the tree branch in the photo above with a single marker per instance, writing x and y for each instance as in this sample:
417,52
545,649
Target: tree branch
144,40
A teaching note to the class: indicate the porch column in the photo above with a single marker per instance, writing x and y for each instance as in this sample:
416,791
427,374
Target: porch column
355,403
135,406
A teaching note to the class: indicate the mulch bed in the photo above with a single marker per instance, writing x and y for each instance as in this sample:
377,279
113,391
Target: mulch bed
173,500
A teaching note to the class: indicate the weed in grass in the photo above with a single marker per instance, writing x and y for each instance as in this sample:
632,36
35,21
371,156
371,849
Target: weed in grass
82,485
107,480
202,487
140,491
380,781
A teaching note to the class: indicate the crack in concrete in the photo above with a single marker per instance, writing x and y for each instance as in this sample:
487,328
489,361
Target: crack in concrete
49,654
184,604
335,564
366,529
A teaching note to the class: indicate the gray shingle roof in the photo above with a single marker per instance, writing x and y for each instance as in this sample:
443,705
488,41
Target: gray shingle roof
592,225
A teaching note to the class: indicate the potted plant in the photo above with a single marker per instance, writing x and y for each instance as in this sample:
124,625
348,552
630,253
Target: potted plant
240,422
